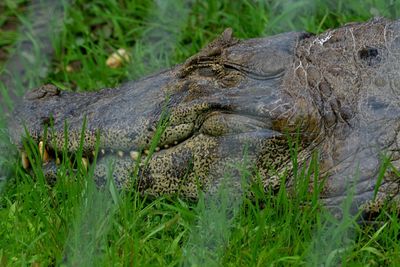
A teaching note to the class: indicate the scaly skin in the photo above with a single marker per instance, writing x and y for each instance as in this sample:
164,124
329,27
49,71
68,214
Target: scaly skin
239,101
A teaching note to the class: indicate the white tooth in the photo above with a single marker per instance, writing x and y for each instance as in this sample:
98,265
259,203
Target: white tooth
134,155
40,145
43,152
166,146
85,163
175,142
146,151
120,154
157,149
25,160
103,152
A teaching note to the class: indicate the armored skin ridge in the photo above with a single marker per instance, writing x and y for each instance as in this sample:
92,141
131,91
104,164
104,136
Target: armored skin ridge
239,102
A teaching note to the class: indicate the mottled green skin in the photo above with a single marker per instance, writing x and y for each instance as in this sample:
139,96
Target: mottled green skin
237,101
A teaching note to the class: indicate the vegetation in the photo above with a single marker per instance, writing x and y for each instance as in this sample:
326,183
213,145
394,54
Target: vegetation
74,223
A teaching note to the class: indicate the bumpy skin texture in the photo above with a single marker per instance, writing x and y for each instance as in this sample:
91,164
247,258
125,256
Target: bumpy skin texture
239,101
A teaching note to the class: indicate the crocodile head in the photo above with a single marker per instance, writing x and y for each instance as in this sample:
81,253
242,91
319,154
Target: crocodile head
238,102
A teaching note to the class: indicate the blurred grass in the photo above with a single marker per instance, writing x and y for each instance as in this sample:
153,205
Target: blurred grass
72,222
92,30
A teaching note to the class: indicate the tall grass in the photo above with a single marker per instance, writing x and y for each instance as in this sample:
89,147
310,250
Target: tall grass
72,222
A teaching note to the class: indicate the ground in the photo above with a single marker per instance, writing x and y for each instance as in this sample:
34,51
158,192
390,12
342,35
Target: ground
74,223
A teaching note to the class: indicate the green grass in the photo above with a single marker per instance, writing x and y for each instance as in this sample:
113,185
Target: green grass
75,223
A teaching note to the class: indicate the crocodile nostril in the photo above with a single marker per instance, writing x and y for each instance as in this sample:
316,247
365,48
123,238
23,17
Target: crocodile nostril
43,91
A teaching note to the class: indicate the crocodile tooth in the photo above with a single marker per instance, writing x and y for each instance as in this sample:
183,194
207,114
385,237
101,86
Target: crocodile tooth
157,148
44,155
85,163
120,153
25,160
146,151
134,155
166,146
103,152
175,142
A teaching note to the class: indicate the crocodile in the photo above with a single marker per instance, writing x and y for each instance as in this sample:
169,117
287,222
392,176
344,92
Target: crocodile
241,102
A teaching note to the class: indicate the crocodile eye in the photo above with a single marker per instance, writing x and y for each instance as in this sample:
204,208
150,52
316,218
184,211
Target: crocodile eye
225,76
205,72
370,56
230,78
